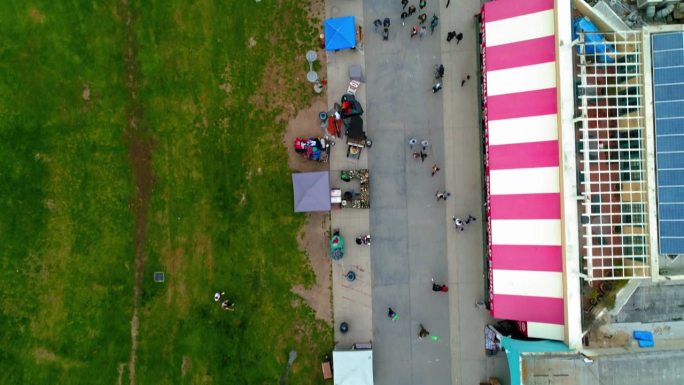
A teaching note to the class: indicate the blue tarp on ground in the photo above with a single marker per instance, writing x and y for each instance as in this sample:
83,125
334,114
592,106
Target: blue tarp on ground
311,191
340,33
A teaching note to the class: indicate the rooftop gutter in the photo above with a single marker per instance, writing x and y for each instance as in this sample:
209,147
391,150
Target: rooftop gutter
568,172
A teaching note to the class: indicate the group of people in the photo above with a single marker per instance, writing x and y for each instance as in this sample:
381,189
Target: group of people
422,154
227,303
420,29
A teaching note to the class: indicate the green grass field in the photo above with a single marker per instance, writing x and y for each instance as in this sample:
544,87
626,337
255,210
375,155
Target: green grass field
213,81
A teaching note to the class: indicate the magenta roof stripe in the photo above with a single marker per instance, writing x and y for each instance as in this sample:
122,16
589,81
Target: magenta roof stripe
518,105
523,155
532,309
525,206
523,53
528,257
505,9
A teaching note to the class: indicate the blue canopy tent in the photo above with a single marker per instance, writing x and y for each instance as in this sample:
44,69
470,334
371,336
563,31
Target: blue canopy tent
311,191
340,33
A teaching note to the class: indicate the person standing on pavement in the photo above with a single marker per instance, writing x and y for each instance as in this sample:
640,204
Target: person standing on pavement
391,314
404,15
439,288
422,18
404,3
377,24
422,4
434,169
458,222
450,36
442,195
412,142
411,10
470,219
423,31
459,37
425,143
463,82
422,333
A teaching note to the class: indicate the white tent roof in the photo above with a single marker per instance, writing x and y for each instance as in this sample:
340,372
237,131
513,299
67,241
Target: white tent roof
354,367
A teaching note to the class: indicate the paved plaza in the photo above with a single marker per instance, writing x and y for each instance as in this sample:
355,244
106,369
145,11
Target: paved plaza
413,235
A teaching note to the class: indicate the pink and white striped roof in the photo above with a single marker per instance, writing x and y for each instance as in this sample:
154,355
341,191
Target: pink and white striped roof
522,164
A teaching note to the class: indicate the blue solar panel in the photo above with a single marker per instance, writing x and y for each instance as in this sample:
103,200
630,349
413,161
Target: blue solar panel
668,97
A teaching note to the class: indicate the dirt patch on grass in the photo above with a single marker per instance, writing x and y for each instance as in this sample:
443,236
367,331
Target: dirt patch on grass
185,365
36,15
313,239
203,247
315,244
306,124
43,355
140,154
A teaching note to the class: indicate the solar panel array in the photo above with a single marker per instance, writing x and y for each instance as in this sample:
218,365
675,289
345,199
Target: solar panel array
668,95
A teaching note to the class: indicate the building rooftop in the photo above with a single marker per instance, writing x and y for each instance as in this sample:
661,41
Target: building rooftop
662,367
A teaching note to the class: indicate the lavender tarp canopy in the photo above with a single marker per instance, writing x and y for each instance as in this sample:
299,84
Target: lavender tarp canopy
311,191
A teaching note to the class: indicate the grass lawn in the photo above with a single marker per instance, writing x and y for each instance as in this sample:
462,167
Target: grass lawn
215,81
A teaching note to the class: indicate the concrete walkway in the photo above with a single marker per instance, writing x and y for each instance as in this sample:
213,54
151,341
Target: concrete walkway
414,238
352,301
462,142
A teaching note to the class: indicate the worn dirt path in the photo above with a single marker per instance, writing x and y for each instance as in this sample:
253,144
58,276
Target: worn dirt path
140,153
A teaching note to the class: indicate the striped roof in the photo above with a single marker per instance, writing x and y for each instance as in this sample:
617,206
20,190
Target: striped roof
522,164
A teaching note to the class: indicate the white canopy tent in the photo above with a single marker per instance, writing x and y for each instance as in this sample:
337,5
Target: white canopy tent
353,367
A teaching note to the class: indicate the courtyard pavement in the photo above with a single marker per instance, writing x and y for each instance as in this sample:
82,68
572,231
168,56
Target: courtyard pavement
413,235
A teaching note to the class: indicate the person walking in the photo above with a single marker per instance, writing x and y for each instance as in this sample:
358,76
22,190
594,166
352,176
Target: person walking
463,82
434,169
422,4
414,31
391,314
470,219
450,36
422,18
439,71
423,31
458,37
411,10
436,87
412,142
228,305
425,143
404,3
422,333
404,15
423,155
